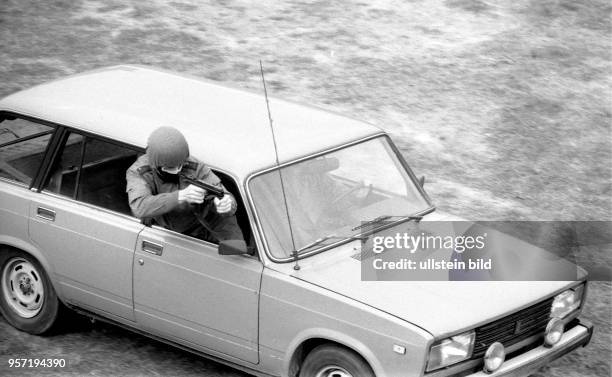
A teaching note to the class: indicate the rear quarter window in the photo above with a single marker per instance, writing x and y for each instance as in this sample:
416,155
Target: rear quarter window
22,148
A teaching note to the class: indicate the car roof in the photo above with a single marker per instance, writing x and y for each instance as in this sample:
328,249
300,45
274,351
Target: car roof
227,128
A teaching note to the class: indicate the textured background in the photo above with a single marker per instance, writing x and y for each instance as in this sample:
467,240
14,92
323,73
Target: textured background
504,106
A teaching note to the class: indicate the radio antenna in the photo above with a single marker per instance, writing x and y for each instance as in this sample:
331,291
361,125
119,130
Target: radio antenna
280,171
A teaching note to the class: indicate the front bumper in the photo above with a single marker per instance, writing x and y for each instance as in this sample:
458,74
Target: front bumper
526,363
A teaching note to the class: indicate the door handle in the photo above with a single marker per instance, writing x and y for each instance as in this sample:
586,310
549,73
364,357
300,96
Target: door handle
151,247
45,213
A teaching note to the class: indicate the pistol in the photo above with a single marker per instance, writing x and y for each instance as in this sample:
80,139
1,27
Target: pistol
211,191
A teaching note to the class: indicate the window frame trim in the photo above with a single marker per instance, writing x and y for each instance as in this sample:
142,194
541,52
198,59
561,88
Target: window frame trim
75,193
26,138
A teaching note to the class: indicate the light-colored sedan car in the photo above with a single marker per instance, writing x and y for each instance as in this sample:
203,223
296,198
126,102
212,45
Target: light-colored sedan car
290,301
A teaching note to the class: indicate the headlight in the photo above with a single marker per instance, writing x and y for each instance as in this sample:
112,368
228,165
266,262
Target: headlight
451,350
554,332
494,357
566,302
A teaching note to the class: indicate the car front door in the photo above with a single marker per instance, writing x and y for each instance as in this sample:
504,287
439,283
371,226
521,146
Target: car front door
185,291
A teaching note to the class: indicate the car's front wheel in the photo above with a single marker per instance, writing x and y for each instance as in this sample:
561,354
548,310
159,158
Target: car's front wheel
27,299
329,360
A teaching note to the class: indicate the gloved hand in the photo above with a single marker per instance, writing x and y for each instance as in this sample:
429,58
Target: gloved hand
191,194
224,204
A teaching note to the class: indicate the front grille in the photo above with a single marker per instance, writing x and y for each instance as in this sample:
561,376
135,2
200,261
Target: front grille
513,328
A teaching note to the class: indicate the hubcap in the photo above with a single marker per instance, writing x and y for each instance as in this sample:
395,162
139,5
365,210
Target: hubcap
333,371
22,287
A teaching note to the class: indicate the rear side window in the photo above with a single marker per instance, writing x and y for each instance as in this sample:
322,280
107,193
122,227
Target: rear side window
92,170
22,148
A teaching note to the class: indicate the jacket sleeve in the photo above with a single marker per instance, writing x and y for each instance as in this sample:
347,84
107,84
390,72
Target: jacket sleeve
142,202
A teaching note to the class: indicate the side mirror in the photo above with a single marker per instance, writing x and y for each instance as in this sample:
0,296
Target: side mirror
422,181
233,247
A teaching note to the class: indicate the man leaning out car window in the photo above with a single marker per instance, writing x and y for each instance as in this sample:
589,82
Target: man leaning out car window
160,192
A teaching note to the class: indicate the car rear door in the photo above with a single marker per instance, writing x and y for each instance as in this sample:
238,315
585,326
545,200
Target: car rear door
24,144
80,220
185,291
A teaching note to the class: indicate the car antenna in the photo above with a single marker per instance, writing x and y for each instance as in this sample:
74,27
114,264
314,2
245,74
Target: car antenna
280,171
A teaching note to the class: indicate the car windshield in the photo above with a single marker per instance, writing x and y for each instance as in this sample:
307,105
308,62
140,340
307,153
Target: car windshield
331,196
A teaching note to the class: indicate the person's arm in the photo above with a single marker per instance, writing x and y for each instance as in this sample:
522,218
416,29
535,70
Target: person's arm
142,201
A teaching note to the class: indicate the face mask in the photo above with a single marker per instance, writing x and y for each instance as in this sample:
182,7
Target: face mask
175,170
169,175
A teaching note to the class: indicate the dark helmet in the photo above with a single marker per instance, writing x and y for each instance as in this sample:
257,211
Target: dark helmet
167,147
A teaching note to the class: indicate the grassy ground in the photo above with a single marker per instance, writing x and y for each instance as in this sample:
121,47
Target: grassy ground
505,106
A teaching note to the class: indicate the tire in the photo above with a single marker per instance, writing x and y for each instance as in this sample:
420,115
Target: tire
330,360
27,299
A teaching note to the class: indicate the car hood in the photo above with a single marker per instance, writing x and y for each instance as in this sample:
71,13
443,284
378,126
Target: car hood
440,307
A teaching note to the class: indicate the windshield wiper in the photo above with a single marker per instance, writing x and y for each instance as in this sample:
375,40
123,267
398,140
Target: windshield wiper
382,218
318,242
371,222
325,238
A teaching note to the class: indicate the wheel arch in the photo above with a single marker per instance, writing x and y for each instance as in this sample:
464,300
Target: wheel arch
11,243
309,339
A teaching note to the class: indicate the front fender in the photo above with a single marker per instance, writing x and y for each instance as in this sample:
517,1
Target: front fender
292,311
